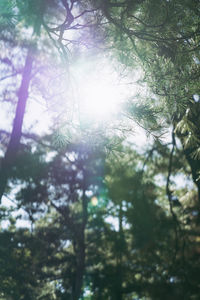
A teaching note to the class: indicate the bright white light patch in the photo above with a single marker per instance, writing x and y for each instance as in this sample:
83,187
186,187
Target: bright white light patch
97,90
100,100
196,97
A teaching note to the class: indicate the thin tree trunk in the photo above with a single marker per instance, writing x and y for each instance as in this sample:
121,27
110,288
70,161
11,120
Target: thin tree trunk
13,146
119,295
80,253
80,267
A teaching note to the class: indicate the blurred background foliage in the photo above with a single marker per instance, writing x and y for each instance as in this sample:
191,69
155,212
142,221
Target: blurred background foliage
85,214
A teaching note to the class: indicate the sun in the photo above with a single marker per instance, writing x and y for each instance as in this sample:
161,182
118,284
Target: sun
99,99
98,95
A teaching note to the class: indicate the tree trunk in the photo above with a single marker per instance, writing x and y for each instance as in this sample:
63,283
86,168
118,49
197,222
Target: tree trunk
13,146
80,267
119,295
80,252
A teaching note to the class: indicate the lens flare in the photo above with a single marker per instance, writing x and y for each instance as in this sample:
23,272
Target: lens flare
94,201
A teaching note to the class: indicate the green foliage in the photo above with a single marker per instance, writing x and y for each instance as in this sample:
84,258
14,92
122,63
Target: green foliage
7,13
31,13
100,218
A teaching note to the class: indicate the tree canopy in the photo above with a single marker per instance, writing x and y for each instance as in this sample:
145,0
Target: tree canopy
87,212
